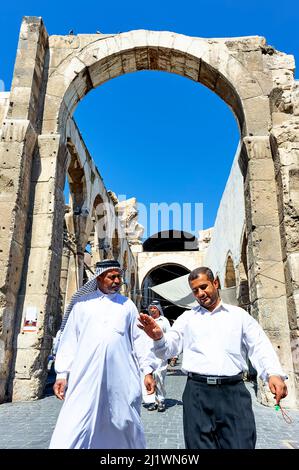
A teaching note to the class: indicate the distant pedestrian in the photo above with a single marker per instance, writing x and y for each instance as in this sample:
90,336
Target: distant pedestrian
156,312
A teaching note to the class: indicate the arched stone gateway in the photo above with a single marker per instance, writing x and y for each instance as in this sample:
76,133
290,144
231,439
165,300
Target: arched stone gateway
51,75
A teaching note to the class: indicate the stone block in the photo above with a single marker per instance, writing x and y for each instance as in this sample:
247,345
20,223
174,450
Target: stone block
161,61
266,243
182,43
57,58
8,184
99,72
55,111
257,115
263,203
12,263
38,270
16,130
200,49
272,316
128,61
115,67
67,42
57,86
208,76
20,225
264,81
283,79
142,61
279,119
293,263
261,169
279,61
192,69
24,362
177,63
269,279
95,52
258,147
247,87
42,238
71,69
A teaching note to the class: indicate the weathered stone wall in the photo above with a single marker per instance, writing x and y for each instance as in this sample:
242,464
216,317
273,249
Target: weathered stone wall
19,132
4,103
229,224
285,150
147,261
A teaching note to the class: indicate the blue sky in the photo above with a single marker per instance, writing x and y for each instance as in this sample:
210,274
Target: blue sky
156,136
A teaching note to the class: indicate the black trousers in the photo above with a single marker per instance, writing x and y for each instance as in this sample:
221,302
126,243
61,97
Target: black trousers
218,416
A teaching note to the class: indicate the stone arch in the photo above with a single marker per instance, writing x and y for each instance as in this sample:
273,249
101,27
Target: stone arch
230,273
161,273
211,63
176,258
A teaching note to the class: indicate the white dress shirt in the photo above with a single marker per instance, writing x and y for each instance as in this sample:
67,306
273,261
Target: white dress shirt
218,343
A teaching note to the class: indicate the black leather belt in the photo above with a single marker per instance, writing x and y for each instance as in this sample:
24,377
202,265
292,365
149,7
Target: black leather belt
215,379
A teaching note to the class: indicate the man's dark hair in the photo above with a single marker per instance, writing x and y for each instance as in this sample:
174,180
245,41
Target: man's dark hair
202,270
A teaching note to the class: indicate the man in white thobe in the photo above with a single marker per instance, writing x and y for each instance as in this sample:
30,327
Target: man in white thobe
100,357
156,312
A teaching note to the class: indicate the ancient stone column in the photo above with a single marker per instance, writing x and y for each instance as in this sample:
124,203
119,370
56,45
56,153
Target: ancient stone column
39,292
18,143
265,261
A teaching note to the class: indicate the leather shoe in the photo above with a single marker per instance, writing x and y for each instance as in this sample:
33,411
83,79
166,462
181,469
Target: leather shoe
161,407
152,407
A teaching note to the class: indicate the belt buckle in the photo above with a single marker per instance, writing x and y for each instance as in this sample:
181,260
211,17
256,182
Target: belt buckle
212,380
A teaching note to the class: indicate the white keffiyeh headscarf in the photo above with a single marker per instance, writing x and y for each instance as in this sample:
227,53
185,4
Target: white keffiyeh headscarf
90,286
156,303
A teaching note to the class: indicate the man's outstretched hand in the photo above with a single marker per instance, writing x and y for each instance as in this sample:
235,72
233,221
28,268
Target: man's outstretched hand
150,327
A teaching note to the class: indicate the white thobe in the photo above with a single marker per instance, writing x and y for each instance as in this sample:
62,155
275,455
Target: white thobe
161,370
218,342
102,352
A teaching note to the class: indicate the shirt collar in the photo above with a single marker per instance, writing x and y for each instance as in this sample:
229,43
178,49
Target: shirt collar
220,306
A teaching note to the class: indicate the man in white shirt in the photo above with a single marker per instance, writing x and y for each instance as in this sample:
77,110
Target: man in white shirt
98,363
215,339
156,312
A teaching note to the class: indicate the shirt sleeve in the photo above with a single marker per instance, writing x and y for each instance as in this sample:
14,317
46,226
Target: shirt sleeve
171,343
143,346
166,325
260,350
67,346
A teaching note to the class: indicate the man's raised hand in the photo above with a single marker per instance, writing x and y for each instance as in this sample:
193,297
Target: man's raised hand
150,327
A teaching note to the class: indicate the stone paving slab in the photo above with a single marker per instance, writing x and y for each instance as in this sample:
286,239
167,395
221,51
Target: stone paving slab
29,425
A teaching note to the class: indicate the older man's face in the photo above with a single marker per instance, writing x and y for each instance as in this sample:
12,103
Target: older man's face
110,281
154,312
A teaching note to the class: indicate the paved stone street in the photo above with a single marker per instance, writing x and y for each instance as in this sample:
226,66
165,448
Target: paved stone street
29,425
